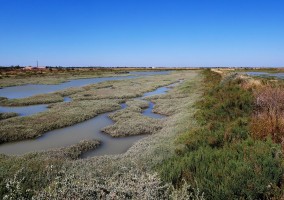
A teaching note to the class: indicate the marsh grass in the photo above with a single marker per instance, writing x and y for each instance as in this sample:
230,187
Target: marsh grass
87,102
164,104
132,175
52,77
33,100
126,176
123,89
174,101
21,177
137,103
7,115
130,121
72,152
58,116
47,98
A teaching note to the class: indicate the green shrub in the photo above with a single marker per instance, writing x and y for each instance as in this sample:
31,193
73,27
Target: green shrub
219,154
246,170
22,176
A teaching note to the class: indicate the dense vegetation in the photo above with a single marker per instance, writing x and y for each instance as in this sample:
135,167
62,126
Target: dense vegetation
21,177
58,174
228,146
221,156
268,118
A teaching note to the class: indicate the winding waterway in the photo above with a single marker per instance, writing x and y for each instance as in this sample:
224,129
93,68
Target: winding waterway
90,129
28,110
28,90
87,130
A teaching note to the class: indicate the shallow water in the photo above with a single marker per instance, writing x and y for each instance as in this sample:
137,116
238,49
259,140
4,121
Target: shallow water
24,110
28,110
67,99
30,90
87,130
23,91
266,74
34,89
160,90
90,129
149,112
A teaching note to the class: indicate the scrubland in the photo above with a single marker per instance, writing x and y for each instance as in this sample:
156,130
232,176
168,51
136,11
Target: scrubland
225,155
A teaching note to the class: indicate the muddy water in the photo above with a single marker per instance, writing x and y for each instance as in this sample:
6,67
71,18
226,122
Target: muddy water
90,129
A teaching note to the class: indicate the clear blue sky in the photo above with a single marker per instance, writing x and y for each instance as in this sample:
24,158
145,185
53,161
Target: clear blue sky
142,32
